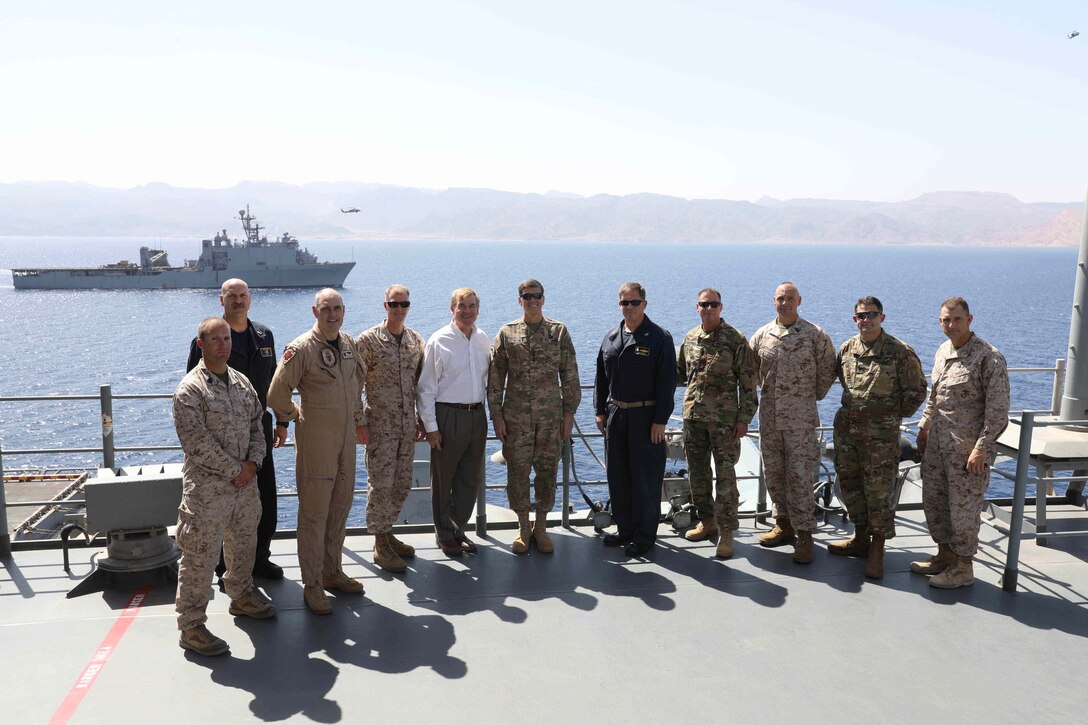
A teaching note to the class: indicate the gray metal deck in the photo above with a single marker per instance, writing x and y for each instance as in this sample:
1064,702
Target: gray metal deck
584,635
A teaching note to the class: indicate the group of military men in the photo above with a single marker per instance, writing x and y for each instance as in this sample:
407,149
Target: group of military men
387,389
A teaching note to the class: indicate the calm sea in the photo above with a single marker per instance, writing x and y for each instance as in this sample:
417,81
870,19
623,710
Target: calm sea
72,342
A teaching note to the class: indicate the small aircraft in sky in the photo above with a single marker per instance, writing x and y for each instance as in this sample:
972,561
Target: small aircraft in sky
352,210
1074,34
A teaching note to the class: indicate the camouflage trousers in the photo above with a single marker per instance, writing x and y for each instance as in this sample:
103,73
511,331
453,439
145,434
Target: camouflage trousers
389,478
866,465
952,498
790,458
214,513
701,441
532,444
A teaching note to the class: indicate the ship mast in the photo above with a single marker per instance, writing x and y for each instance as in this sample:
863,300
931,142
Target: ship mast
252,229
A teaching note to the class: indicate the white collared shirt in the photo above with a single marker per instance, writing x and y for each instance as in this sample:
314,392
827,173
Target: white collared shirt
454,371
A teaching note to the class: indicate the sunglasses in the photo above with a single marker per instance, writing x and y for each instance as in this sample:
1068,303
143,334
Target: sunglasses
532,295
631,303
712,304
866,315
393,303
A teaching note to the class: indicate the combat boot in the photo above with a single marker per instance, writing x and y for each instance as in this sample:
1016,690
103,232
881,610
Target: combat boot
936,563
874,565
341,582
315,599
961,573
525,532
725,544
781,534
540,534
706,529
254,605
857,546
385,556
198,639
400,548
802,550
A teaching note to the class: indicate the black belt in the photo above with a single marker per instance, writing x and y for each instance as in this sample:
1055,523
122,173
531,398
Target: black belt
637,404
462,406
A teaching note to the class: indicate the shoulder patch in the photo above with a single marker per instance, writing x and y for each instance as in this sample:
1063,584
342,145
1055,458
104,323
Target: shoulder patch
288,353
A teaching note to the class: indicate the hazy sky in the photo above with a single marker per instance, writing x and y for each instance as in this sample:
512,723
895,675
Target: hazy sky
700,99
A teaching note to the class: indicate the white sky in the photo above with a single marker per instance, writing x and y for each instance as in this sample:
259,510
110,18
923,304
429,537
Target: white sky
700,99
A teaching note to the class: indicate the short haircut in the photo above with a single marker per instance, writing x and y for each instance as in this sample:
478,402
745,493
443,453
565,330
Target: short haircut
787,283
709,291
395,288
869,301
529,284
957,302
208,324
232,282
460,294
320,292
632,287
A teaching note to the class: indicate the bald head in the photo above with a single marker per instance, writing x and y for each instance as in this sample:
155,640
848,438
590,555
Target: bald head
328,309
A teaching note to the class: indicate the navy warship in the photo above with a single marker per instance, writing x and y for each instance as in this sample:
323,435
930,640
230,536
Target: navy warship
261,263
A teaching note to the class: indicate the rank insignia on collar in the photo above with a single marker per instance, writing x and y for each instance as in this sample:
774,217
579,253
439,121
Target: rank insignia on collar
328,356
288,354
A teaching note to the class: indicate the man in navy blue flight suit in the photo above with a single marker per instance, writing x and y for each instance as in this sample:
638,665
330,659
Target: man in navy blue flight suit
253,353
633,398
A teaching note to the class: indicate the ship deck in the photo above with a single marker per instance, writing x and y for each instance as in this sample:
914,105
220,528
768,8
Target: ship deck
585,634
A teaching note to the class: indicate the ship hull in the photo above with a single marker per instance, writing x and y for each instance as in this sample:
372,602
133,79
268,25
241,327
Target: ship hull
331,274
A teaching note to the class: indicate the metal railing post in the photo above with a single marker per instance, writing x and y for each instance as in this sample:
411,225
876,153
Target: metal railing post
481,508
5,532
105,393
1016,524
567,453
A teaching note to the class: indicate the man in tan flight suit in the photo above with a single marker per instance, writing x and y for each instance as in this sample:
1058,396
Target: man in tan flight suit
217,416
392,354
325,368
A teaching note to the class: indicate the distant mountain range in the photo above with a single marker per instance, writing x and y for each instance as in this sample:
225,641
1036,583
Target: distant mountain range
313,211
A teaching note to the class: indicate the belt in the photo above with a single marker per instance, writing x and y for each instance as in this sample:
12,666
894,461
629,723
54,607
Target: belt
461,406
637,404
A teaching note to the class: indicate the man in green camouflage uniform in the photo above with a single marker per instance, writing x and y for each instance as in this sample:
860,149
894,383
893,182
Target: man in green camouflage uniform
217,416
532,392
882,383
720,371
392,355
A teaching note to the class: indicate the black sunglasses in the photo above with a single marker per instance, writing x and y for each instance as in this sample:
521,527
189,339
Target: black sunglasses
532,295
712,304
393,303
872,315
631,303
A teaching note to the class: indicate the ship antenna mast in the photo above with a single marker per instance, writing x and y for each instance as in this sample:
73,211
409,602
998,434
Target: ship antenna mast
252,230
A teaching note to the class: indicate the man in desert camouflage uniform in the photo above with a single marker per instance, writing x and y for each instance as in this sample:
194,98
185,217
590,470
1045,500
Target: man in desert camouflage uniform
324,367
719,369
796,369
532,393
217,416
392,354
967,410
882,383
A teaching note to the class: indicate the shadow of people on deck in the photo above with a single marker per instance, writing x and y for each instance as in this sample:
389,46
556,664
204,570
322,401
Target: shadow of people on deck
723,575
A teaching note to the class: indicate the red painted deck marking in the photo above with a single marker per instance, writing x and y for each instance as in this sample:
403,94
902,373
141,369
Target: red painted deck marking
100,657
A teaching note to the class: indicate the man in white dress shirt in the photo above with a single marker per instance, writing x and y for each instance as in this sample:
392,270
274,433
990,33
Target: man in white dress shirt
450,398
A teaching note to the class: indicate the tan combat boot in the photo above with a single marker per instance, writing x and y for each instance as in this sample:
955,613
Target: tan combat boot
525,532
315,599
725,544
961,573
198,639
936,563
400,548
341,582
802,550
385,556
254,605
781,534
540,534
857,546
706,529
874,565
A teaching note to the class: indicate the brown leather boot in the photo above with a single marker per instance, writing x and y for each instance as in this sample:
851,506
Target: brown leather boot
802,550
874,565
385,556
525,532
400,548
780,535
935,564
540,534
724,549
857,546
961,573
706,529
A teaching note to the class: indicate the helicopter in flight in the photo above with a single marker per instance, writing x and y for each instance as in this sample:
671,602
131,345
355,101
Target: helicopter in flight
352,210
1074,34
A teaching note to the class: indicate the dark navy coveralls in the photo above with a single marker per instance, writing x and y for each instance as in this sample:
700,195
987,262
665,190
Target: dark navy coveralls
255,358
635,368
